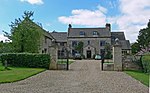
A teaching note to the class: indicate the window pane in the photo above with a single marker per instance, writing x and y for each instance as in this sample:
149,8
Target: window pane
95,33
102,43
88,42
82,33
74,43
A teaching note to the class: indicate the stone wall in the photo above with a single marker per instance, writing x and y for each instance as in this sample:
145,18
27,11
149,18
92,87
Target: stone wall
61,66
108,66
129,63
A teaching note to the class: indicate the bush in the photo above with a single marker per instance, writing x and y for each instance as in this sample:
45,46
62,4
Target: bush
146,63
108,56
26,60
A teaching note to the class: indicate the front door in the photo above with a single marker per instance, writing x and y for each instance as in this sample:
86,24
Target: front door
88,52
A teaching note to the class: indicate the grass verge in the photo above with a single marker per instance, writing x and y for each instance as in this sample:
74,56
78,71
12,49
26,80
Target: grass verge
64,61
138,75
17,74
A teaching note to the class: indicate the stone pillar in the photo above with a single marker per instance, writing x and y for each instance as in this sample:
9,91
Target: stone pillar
117,57
53,58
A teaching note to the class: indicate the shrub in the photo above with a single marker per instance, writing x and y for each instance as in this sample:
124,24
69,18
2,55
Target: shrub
26,60
108,56
146,63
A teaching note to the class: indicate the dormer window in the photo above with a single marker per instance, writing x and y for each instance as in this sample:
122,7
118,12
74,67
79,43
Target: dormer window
82,33
95,33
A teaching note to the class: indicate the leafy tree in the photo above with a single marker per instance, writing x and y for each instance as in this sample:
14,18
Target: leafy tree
79,47
25,34
135,47
143,41
6,47
108,54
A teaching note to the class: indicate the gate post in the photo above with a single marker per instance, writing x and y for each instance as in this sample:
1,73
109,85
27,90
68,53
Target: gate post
53,56
117,56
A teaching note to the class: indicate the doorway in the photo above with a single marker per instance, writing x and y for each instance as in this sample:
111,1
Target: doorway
88,52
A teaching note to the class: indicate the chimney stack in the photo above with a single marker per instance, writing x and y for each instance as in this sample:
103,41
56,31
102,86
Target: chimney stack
70,26
108,26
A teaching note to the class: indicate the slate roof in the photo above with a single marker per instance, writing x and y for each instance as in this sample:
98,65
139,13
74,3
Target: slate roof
75,32
60,36
48,35
120,35
125,44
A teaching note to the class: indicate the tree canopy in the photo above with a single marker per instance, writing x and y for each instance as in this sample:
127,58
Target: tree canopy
79,47
143,41
25,34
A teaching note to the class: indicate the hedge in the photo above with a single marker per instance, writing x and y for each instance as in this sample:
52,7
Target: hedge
146,63
26,60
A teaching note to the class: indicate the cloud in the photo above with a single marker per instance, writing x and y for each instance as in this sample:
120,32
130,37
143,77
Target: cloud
86,17
134,16
38,2
3,38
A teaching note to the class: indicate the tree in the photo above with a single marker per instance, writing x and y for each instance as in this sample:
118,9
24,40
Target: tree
108,54
25,34
6,47
79,47
135,48
144,37
143,41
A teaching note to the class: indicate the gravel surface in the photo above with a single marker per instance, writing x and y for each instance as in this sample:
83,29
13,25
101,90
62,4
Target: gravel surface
84,76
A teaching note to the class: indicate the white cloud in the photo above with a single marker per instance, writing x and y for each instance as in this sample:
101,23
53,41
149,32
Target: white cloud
3,38
86,17
134,16
38,2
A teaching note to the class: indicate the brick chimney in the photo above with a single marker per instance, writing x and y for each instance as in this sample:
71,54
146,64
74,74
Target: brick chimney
108,26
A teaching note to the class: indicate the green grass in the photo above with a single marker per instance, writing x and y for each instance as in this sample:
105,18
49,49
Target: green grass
17,74
108,62
138,75
64,61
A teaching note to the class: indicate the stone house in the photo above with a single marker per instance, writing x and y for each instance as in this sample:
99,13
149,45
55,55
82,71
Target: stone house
61,40
46,42
94,40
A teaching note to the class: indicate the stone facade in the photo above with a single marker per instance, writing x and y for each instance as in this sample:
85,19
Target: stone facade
46,42
61,40
94,40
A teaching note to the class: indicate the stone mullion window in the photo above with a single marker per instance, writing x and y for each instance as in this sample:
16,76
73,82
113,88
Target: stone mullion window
74,43
102,43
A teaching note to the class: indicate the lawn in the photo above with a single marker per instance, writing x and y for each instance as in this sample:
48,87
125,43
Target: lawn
138,75
64,61
16,73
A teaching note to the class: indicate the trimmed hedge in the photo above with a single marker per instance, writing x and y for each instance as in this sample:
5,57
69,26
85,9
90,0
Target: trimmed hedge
26,60
146,63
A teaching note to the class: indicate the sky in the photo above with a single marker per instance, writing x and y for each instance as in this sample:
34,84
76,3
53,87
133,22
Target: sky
128,16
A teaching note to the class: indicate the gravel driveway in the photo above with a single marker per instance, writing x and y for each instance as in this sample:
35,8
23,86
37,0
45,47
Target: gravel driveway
84,76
